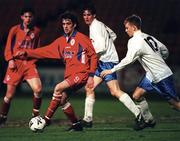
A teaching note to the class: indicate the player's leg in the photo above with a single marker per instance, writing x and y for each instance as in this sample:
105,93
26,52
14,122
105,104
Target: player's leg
144,107
35,84
56,99
89,103
122,96
128,102
60,99
70,114
113,85
167,90
12,79
143,86
6,103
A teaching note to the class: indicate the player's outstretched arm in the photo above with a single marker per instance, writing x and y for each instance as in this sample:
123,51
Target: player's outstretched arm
51,51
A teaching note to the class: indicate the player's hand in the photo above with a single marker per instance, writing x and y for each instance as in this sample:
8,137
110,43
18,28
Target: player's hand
12,65
105,72
90,82
20,55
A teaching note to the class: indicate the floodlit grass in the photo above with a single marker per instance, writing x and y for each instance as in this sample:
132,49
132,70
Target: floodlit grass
112,122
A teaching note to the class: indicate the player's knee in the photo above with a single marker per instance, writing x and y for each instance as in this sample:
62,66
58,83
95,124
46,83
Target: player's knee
89,91
114,92
37,89
7,99
58,89
38,95
63,99
136,97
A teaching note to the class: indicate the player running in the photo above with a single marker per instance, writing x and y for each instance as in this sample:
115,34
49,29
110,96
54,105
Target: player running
150,53
102,38
80,61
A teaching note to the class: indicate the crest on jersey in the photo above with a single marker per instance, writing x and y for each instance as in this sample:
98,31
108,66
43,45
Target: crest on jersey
72,42
32,35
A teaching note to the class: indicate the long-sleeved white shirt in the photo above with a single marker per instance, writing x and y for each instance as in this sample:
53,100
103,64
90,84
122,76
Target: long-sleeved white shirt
102,39
149,52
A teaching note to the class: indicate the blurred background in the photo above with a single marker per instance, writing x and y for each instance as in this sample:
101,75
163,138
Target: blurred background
160,19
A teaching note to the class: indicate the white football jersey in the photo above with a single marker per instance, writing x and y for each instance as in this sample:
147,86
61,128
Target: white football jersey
102,38
149,52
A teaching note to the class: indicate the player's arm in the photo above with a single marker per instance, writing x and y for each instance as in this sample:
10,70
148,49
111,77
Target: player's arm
111,33
38,40
93,58
93,64
51,51
131,56
8,53
164,51
98,40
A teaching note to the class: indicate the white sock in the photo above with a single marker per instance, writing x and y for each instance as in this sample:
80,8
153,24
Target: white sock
88,110
127,101
145,110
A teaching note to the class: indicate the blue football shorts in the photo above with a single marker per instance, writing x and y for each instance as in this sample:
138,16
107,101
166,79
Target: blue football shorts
165,88
104,66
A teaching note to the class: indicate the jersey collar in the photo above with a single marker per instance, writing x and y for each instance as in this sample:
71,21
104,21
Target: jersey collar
72,35
138,32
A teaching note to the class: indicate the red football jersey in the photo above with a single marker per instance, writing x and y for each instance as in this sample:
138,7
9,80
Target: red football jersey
77,52
18,39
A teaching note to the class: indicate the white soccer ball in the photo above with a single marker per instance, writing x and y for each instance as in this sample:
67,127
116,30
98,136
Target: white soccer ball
37,124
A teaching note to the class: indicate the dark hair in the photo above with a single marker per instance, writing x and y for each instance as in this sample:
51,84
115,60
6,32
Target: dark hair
27,9
90,7
135,20
71,16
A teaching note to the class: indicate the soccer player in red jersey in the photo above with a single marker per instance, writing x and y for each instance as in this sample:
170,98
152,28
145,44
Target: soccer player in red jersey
80,61
21,36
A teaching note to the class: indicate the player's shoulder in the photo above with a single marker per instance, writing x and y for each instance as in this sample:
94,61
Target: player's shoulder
136,41
82,36
62,37
150,38
36,28
96,24
15,28
139,37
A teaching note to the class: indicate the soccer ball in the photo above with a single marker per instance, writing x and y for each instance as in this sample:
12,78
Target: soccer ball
37,124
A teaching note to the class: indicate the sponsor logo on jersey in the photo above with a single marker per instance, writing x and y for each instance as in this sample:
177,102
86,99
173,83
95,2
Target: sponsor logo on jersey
68,54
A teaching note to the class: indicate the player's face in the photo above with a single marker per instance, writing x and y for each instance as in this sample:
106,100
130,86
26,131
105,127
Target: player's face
68,26
129,29
88,17
27,18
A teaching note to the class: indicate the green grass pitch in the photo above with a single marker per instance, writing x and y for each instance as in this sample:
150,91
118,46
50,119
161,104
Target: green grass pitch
112,122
